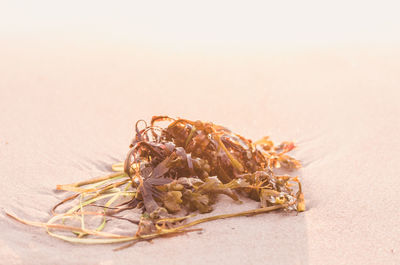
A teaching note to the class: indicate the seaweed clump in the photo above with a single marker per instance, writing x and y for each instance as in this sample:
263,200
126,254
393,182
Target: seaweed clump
172,172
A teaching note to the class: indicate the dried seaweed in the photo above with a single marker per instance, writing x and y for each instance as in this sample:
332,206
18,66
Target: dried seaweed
172,172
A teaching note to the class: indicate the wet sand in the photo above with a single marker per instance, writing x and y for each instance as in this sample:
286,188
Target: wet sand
67,114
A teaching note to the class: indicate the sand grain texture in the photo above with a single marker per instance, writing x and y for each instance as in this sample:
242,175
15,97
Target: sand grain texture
67,113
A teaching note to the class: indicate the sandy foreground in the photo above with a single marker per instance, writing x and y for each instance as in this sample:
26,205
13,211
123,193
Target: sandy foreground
67,113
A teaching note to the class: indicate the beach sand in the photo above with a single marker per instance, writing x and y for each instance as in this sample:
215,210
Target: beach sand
67,113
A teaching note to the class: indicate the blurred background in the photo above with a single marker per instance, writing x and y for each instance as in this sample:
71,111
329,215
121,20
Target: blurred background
181,25
236,54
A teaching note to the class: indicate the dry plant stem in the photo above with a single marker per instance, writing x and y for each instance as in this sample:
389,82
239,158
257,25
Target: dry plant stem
230,215
64,227
53,211
176,230
90,181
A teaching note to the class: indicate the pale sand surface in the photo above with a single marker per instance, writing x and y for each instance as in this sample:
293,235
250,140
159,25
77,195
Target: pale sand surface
67,113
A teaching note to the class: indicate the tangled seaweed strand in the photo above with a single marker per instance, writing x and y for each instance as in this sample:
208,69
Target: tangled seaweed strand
173,171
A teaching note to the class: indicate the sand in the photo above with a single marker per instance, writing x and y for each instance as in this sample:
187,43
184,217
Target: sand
67,113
